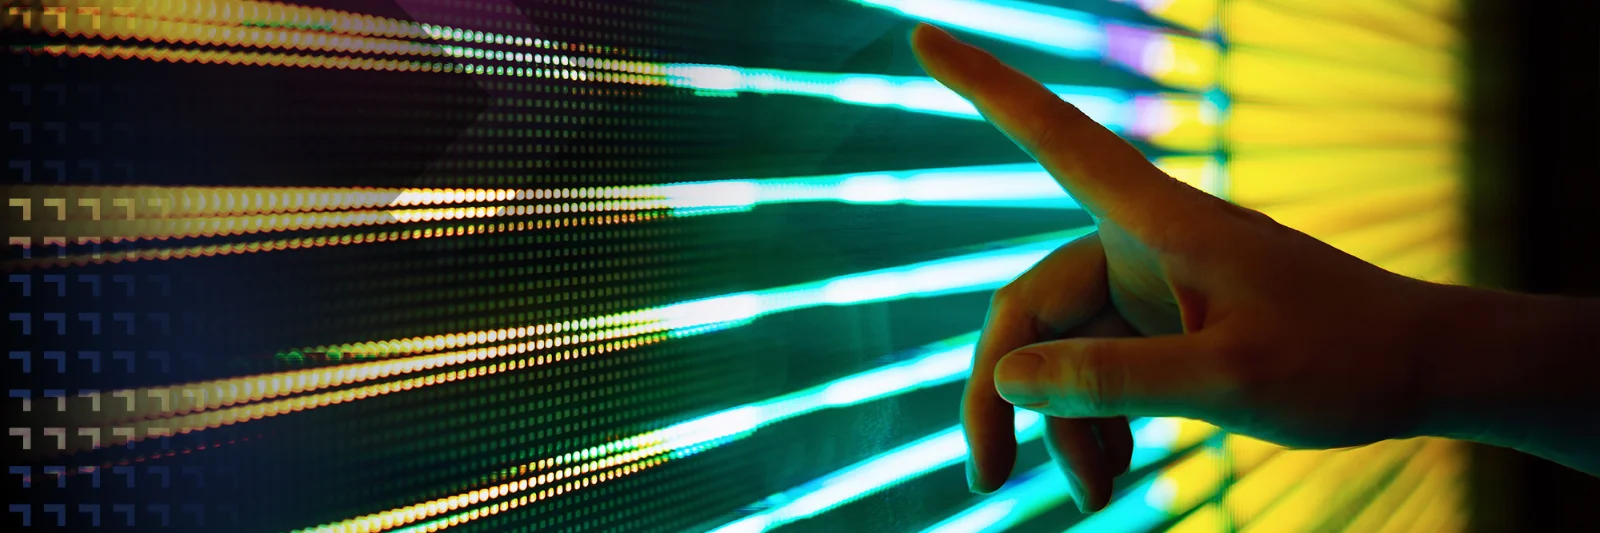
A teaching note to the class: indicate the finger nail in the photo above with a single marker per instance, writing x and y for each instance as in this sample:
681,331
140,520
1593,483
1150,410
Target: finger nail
935,36
1076,487
972,476
1015,379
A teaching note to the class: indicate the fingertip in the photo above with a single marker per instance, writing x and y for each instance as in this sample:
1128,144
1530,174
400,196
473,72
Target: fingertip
1016,378
941,54
1090,494
927,37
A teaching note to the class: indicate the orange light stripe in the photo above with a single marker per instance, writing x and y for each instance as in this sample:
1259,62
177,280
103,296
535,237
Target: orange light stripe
176,55
202,411
211,250
116,231
94,202
178,32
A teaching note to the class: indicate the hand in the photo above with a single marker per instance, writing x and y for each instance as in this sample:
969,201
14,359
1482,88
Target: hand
1245,323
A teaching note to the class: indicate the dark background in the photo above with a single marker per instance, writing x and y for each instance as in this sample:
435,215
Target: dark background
1535,81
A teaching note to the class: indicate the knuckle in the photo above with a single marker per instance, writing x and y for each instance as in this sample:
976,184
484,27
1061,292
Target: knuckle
1006,295
1095,378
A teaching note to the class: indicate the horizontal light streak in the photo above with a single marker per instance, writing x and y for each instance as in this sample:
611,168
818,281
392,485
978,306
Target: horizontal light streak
1167,58
931,365
178,212
115,17
1172,490
220,211
962,273
1045,487
926,454
289,38
231,57
114,231
1148,115
851,483
132,431
42,260
1023,185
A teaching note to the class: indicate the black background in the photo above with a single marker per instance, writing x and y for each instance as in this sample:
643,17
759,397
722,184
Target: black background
1535,78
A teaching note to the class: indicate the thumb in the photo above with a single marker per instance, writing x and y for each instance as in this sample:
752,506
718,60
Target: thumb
1098,377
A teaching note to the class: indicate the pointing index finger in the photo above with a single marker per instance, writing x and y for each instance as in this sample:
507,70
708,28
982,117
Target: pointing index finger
1109,177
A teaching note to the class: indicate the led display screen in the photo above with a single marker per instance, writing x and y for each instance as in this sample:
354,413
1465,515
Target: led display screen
649,265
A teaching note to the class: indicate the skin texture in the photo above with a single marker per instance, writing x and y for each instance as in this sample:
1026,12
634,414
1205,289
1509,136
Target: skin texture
1183,304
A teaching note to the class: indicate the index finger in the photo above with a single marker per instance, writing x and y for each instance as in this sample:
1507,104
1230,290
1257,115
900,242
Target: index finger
1106,175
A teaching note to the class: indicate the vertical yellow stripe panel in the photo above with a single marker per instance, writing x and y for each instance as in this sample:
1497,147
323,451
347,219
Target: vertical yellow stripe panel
1256,75
1392,17
1263,25
1277,176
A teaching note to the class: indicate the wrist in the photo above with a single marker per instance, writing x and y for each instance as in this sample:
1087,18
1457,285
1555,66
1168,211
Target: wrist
1456,332
1502,368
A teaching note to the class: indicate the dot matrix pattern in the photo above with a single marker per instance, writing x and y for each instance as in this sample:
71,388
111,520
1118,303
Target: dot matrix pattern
527,390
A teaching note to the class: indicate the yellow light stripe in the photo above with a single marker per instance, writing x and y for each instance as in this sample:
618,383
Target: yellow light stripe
1432,260
1332,487
116,15
603,470
124,202
116,231
1181,61
1444,10
1247,453
1324,218
1251,127
1263,472
1207,519
189,400
179,32
1193,14
1438,457
1281,176
1387,16
1433,495
1201,171
201,411
1251,494
1191,480
210,250
180,55
1266,26
1391,239
1255,75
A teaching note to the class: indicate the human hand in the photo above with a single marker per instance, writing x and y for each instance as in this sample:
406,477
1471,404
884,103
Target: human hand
1245,323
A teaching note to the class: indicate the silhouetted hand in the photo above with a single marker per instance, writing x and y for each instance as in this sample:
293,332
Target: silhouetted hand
1237,320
